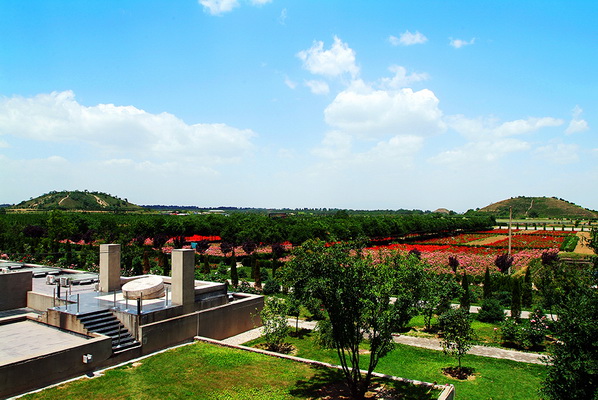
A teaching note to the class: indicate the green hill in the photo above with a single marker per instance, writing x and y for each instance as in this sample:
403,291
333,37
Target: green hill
77,201
539,207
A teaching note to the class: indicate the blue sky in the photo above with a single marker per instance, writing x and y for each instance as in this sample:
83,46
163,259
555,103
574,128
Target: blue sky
345,104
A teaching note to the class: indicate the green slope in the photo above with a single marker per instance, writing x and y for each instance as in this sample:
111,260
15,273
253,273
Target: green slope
539,207
77,201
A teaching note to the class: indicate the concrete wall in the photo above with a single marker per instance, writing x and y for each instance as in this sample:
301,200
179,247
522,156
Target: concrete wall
41,302
13,289
236,317
29,373
67,322
216,323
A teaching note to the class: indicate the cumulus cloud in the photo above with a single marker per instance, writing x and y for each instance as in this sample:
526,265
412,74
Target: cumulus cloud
58,117
318,87
458,43
260,2
407,39
401,78
337,60
577,124
217,7
364,111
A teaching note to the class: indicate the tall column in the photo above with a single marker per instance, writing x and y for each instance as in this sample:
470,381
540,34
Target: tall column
183,278
109,267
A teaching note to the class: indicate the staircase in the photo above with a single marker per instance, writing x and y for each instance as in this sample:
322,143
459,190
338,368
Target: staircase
106,323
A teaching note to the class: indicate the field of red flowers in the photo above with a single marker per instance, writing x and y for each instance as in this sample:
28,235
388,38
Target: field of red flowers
474,259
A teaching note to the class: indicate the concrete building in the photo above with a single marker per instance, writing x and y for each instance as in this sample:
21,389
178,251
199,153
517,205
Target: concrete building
56,324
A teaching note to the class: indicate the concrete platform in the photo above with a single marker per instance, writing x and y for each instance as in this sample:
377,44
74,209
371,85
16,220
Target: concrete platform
28,339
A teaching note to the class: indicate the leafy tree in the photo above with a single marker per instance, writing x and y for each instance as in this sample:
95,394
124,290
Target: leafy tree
436,292
573,362
274,322
457,334
504,262
356,296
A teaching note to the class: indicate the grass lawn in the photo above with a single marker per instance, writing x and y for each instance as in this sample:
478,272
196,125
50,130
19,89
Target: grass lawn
485,332
205,371
494,379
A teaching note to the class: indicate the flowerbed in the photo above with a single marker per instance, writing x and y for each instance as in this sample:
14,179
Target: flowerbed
474,259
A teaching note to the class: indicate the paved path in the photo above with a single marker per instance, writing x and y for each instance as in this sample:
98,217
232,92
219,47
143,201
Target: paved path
433,344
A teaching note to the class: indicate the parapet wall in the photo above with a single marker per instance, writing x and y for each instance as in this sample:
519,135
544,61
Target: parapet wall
220,322
27,373
13,289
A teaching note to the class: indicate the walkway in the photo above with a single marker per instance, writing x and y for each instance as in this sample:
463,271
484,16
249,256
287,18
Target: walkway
433,344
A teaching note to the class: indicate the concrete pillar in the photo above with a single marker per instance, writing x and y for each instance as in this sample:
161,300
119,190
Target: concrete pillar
109,267
183,278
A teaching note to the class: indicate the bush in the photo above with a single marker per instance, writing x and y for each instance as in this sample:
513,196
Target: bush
491,311
271,287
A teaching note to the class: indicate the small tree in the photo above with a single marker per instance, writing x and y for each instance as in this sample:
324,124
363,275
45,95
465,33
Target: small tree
516,300
457,334
527,290
487,284
504,262
465,303
453,263
274,322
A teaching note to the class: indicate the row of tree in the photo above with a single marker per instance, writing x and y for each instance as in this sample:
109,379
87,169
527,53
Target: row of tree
33,229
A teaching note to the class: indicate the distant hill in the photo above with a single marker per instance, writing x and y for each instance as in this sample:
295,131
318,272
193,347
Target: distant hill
77,201
539,207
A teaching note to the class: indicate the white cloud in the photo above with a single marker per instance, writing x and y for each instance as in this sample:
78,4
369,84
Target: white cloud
290,83
577,124
318,87
338,60
401,78
485,151
489,139
408,39
58,117
458,43
363,111
217,7
260,2
558,153
481,128
282,19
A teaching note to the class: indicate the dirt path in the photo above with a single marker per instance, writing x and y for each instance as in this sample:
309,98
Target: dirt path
63,199
582,245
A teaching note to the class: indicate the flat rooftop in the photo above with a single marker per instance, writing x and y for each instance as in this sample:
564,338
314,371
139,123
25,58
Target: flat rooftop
27,339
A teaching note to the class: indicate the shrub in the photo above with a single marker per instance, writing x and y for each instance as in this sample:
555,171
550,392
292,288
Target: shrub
491,311
271,287
274,320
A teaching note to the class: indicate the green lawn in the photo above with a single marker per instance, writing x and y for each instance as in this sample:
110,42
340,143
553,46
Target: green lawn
494,379
205,371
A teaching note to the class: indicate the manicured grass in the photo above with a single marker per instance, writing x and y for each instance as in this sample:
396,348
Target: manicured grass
487,334
494,378
205,371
